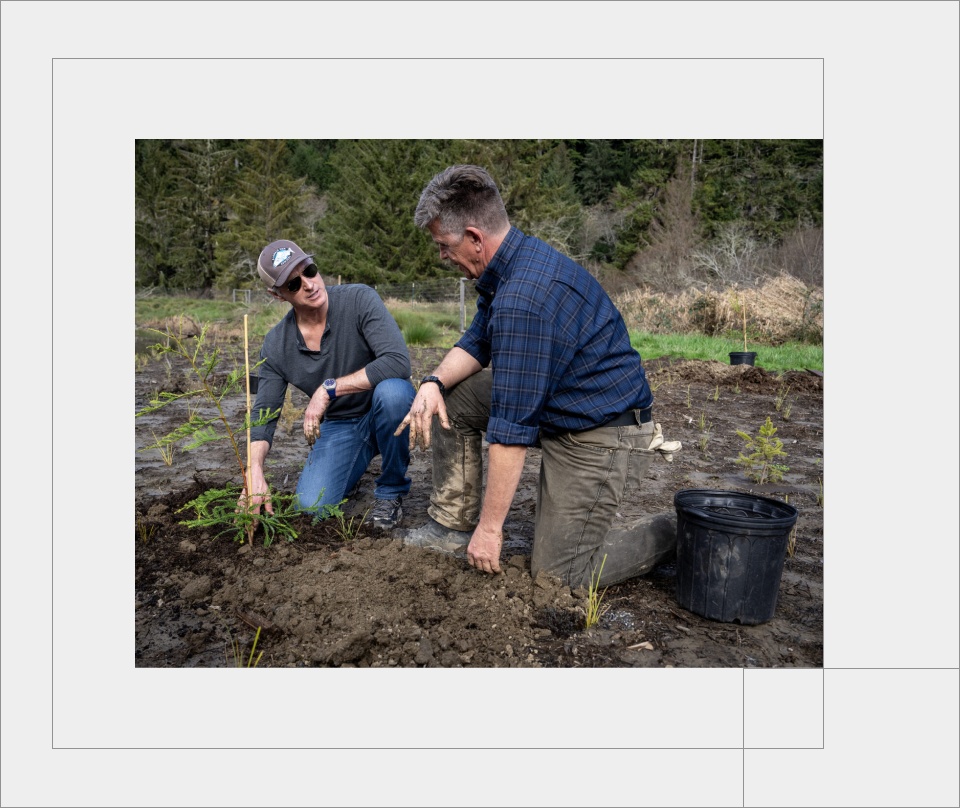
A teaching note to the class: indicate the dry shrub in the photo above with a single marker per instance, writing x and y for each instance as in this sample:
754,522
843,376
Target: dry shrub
393,303
801,254
780,309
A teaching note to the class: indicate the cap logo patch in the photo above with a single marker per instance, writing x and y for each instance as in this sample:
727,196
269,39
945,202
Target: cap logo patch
280,256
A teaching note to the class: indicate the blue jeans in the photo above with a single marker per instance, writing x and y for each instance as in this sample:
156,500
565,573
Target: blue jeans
345,448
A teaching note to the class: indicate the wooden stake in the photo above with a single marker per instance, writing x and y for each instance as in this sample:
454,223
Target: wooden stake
744,307
248,483
338,280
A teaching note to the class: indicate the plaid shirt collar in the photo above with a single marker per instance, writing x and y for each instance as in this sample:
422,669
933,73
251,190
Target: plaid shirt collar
499,267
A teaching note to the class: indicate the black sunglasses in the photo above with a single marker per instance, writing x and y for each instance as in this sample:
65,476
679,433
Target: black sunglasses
294,286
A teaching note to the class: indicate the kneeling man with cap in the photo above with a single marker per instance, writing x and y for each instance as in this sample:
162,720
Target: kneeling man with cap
341,347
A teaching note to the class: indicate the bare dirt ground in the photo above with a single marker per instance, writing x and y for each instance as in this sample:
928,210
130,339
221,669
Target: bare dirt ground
373,602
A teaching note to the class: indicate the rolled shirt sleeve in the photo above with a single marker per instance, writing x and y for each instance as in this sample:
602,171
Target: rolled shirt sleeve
528,357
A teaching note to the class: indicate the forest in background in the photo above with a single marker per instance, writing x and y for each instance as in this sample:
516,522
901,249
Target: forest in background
666,215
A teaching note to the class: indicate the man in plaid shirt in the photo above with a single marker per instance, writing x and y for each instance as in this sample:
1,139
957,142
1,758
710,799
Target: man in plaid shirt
563,377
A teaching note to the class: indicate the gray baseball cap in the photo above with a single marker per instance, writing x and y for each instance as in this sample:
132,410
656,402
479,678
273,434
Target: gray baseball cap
278,260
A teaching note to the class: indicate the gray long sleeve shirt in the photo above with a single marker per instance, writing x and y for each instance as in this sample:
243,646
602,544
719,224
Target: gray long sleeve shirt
360,333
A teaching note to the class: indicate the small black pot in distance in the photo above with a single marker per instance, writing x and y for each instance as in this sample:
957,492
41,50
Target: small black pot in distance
742,357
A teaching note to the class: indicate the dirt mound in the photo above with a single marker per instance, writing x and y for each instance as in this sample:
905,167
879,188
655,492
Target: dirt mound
371,602
749,378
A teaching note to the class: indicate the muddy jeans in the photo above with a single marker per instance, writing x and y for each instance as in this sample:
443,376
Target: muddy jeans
584,477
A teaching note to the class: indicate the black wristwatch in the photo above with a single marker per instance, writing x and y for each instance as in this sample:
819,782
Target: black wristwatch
330,385
437,382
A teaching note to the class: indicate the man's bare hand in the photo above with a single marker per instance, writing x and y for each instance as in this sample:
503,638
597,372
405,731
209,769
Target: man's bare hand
483,552
428,402
260,496
313,415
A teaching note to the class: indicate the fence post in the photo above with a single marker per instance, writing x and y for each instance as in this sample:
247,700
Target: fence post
463,310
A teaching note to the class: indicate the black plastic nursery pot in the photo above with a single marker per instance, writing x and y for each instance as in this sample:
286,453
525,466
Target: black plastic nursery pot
742,357
730,552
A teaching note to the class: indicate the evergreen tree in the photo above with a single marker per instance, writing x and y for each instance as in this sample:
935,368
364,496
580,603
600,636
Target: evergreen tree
200,209
368,234
155,234
605,164
536,182
268,205
312,159
771,184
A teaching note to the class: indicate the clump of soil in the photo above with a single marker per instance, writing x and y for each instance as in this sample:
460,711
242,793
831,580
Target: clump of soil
369,602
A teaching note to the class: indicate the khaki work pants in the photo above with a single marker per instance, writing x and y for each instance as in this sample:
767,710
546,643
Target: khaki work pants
584,477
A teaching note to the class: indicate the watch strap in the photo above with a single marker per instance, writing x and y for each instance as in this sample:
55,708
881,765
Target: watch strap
437,382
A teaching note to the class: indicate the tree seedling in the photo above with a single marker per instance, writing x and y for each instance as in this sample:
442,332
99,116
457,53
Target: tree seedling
217,507
788,408
658,383
594,608
235,647
704,438
347,530
716,393
765,448
165,448
781,397
820,495
701,422
145,532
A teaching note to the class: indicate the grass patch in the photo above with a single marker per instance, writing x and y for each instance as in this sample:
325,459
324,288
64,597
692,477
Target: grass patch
419,334
434,325
226,316
789,356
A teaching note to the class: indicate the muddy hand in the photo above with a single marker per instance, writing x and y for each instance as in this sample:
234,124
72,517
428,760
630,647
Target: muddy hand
313,415
428,402
483,552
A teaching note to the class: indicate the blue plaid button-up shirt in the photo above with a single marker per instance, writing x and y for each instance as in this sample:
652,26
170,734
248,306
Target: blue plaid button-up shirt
560,351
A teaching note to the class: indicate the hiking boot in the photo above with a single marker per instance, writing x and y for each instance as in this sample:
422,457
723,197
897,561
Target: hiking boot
438,537
387,513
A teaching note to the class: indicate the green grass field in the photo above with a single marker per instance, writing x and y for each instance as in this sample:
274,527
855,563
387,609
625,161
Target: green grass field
789,356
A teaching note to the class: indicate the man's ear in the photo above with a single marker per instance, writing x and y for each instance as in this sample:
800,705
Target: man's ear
476,237
278,297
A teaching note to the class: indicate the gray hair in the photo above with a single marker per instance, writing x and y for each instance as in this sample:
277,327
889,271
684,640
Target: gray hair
460,197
